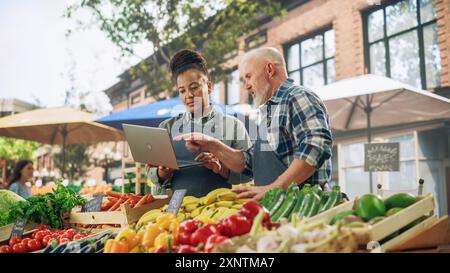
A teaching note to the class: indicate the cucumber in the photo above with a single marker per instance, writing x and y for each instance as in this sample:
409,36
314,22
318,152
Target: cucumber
274,199
333,200
314,206
277,203
298,202
285,208
306,204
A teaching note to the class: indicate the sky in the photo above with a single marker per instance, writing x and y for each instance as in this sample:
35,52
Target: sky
36,57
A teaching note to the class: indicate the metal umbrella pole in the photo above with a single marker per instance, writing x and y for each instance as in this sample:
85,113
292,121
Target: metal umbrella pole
64,137
368,109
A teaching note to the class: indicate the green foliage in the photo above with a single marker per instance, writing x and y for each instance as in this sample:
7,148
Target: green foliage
48,208
215,27
17,149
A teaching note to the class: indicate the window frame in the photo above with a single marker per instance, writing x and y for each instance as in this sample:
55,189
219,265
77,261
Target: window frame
386,38
324,60
137,96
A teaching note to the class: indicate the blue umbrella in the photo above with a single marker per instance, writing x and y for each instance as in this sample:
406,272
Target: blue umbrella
153,114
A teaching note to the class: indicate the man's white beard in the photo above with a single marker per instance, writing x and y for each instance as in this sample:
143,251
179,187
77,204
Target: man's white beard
260,98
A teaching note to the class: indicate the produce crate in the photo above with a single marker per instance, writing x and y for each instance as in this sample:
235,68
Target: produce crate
410,233
125,216
5,231
327,215
434,237
424,207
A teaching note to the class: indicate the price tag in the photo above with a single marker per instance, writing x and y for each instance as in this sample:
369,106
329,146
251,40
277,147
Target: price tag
175,201
18,228
93,205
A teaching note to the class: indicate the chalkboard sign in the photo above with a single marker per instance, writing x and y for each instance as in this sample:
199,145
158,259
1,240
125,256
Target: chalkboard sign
175,201
19,226
382,157
93,205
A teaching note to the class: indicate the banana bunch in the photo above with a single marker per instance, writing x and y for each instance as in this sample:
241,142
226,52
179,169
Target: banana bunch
217,204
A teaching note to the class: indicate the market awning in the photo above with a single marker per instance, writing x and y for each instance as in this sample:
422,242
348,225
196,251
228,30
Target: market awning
48,125
153,114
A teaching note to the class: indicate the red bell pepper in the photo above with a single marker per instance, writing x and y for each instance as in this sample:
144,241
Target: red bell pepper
201,235
184,238
236,225
214,240
187,249
250,209
190,226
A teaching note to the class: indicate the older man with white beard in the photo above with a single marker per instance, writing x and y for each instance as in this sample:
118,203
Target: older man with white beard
294,140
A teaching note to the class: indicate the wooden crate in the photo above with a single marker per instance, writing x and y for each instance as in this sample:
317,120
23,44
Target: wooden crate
384,228
123,217
327,215
435,236
5,231
410,233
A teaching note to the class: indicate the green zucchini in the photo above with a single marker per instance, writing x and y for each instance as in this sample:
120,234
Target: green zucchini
278,203
274,198
288,204
333,200
306,204
314,206
298,202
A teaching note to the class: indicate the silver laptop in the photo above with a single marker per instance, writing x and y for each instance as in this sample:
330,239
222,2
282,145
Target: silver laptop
153,146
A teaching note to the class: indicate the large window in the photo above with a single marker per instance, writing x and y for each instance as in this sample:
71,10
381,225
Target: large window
310,61
402,42
232,94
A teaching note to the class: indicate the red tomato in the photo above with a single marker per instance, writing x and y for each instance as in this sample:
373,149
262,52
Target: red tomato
42,227
78,237
46,240
19,248
14,240
48,232
33,245
5,249
64,241
40,235
65,235
71,231
25,241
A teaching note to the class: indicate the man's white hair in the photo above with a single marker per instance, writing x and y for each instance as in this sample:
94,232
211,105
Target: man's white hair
270,54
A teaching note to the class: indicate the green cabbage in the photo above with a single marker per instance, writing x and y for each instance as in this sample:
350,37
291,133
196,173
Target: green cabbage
8,199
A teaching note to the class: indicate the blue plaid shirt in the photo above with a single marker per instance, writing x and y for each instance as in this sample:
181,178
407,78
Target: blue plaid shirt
295,123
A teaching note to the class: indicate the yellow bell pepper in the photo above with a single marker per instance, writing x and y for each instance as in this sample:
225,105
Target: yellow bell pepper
161,240
126,235
137,239
135,249
174,227
113,246
151,232
165,220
